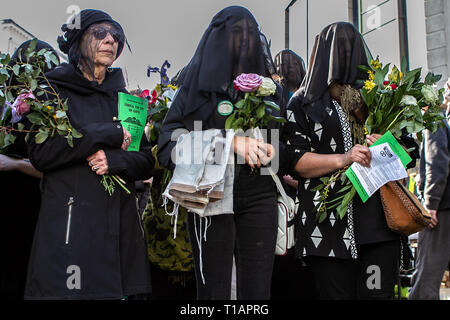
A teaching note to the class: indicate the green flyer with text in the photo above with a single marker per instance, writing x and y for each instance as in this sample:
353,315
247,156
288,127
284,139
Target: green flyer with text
388,163
133,116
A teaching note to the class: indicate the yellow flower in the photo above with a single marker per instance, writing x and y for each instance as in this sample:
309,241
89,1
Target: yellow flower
375,64
369,85
49,108
158,88
371,75
54,116
365,131
175,88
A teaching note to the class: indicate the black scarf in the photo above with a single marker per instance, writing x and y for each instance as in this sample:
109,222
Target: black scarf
231,45
338,51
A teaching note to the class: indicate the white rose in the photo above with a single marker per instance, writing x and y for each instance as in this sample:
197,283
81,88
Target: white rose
267,87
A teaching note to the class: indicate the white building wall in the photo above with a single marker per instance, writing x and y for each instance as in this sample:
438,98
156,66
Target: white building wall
437,14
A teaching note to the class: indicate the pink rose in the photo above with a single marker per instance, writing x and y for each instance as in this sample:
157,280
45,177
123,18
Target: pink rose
248,82
21,105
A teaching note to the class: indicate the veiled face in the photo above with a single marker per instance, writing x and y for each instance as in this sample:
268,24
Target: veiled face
243,43
100,43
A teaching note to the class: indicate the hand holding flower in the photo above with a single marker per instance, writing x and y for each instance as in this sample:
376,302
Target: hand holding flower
371,139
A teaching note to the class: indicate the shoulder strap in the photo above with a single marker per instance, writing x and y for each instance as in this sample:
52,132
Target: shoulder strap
281,189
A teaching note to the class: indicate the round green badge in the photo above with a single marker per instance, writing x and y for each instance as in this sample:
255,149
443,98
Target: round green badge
225,108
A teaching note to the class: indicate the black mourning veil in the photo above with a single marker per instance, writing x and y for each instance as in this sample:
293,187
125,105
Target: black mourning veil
338,51
291,69
231,45
85,52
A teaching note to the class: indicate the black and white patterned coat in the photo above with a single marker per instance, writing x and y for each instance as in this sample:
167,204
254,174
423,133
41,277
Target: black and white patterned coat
363,223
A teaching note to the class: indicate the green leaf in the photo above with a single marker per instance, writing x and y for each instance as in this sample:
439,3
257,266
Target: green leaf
318,188
20,126
240,104
254,99
261,111
16,69
76,134
34,118
322,216
272,105
54,59
229,121
41,137
62,127
70,140
33,84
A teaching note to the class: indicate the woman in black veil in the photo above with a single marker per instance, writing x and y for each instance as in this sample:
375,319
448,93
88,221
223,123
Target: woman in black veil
291,279
291,70
355,257
231,45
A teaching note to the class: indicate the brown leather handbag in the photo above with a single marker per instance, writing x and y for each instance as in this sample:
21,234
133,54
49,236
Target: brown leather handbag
404,212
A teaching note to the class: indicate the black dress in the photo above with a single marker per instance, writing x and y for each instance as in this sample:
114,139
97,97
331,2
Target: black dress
100,252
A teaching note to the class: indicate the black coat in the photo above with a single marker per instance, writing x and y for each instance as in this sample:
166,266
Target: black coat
100,253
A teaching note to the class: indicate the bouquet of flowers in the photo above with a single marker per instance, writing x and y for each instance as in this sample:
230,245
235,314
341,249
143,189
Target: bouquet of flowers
253,111
401,104
159,101
31,95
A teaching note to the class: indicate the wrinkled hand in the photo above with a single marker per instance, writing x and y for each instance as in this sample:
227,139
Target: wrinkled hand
126,139
98,162
359,154
7,163
434,219
370,140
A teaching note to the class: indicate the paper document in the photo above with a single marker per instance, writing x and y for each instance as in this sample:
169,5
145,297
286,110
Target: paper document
388,163
133,116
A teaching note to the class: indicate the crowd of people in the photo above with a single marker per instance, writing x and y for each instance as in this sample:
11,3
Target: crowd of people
76,241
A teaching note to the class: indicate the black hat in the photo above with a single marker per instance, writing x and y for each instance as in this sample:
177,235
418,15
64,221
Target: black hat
87,17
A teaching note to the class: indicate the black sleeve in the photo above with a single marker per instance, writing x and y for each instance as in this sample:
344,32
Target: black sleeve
437,166
55,152
296,135
131,165
168,136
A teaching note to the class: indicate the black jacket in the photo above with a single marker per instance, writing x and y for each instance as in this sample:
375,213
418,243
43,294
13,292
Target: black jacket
435,169
99,253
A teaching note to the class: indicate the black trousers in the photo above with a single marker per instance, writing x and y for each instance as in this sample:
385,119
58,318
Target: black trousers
249,234
370,277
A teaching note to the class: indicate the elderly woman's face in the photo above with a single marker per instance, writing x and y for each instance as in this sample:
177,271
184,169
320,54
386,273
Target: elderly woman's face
100,44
